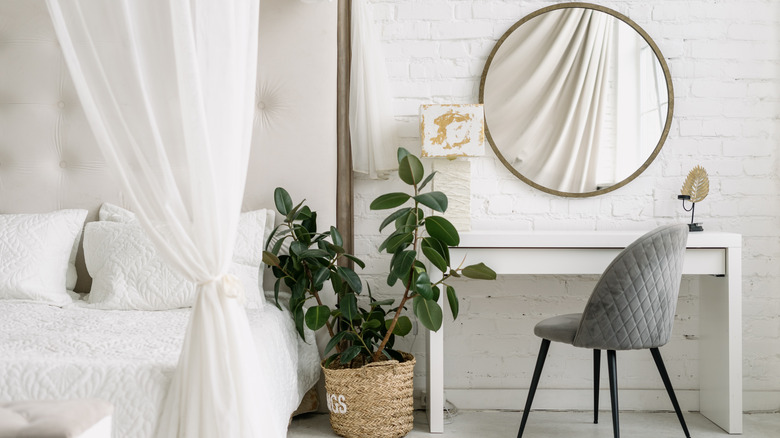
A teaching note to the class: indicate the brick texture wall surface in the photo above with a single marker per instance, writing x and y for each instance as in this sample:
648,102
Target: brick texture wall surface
724,57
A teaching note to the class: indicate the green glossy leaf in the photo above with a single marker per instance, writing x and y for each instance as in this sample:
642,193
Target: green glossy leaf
441,229
452,299
276,293
402,327
395,241
304,213
293,213
389,200
393,354
393,216
348,306
428,313
349,354
335,236
321,275
356,260
313,253
386,302
298,292
411,170
297,247
337,284
438,246
391,279
282,200
422,286
351,278
317,316
302,234
406,223
401,154
298,316
330,360
426,181
400,241
479,272
333,249
278,245
270,259
372,324
335,341
435,258
271,237
310,224
436,293
434,200
402,263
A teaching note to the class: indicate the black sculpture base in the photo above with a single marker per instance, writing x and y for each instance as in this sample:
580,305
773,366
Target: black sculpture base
695,227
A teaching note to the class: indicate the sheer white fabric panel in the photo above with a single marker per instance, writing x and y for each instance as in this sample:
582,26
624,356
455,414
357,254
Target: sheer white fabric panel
168,89
372,128
556,113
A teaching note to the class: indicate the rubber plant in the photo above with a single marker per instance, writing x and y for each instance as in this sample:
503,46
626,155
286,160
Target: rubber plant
305,260
367,333
415,236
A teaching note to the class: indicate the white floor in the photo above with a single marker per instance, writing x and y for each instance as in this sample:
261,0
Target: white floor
489,424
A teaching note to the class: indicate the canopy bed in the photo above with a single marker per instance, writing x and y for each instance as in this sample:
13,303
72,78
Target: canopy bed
50,161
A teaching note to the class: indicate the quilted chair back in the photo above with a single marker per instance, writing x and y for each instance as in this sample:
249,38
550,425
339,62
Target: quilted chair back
632,306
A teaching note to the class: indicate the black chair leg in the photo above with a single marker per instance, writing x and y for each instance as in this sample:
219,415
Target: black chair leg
659,363
534,382
613,391
596,377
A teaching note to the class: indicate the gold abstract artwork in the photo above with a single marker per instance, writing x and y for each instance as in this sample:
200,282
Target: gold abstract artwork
452,130
697,184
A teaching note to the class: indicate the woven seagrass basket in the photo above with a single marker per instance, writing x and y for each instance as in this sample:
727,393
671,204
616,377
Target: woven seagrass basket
373,401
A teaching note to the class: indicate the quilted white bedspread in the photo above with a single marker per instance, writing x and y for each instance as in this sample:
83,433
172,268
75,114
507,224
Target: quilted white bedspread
128,357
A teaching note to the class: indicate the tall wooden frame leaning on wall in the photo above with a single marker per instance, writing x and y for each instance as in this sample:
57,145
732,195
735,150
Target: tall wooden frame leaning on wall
345,213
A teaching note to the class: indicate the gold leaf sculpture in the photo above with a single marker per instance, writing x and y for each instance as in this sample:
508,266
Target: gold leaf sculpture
697,184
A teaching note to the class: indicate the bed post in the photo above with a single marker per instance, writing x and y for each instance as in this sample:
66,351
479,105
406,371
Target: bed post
344,187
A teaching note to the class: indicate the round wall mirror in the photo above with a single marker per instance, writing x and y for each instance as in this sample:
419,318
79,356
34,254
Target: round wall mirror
578,99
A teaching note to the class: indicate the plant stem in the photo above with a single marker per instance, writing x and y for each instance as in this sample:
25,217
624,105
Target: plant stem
406,297
359,336
316,295
392,325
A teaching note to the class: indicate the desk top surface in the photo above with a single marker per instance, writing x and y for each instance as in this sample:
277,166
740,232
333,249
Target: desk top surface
584,239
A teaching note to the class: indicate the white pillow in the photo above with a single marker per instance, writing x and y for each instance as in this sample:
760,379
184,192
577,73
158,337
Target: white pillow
38,254
114,288
254,227
128,274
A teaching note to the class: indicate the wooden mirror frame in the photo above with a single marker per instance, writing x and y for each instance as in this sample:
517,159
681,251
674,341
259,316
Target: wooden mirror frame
669,88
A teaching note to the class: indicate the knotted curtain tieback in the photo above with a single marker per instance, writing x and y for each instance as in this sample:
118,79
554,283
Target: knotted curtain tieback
228,285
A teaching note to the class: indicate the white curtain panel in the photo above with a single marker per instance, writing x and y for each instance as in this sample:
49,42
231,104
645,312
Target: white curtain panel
550,123
168,89
372,126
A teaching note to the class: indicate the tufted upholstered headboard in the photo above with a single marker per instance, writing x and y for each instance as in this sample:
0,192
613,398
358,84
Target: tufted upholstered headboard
48,156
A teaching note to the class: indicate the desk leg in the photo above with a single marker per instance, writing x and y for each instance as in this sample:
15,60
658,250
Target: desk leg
435,370
720,346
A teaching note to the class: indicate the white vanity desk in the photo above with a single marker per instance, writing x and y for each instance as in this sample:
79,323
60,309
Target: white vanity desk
716,256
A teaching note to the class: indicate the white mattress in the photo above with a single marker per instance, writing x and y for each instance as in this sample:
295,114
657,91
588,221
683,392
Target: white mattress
128,357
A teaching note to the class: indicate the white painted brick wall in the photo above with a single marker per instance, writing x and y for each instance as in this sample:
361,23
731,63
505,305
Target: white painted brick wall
724,56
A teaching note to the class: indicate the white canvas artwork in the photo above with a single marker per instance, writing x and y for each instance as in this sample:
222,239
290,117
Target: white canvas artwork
452,130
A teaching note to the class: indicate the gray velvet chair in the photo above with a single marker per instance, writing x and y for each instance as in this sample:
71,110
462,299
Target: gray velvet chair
632,307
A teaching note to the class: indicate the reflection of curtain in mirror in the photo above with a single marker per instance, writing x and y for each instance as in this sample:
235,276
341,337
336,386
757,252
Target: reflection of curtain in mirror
641,104
550,123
